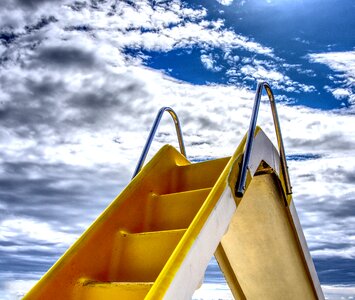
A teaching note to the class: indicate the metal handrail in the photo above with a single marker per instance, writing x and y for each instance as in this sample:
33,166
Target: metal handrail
240,185
152,134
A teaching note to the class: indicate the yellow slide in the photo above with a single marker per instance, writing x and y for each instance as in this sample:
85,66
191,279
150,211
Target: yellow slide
157,237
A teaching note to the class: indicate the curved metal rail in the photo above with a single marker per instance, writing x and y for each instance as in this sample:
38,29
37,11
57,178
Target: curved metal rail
240,185
152,134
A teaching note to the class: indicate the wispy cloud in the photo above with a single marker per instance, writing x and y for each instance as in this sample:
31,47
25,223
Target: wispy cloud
339,292
343,63
225,2
210,63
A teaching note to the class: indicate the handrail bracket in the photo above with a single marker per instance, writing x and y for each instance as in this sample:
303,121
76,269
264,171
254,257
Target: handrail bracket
152,134
241,182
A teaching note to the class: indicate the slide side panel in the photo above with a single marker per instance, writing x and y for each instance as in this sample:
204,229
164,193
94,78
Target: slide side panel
262,247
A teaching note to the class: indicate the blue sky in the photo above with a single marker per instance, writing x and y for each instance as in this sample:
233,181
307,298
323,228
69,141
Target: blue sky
81,82
296,31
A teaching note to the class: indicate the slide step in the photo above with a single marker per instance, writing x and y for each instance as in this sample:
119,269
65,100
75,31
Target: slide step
174,211
95,290
139,257
197,175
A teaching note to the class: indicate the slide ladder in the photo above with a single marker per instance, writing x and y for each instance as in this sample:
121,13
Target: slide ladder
155,240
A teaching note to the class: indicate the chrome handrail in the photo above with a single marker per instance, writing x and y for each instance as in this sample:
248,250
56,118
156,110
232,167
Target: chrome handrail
152,134
240,185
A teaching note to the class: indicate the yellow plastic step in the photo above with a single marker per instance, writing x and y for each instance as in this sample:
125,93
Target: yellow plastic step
174,211
93,290
198,175
140,257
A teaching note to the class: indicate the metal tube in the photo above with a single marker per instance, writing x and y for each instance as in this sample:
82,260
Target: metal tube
249,143
152,134
240,185
279,138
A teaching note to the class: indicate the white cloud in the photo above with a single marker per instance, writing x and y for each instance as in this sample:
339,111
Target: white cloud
344,64
204,33
339,292
302,41
265,71
225,2
16,229
261,73
209,63
341,93
166,27
17,289
211,291
338,61
2,49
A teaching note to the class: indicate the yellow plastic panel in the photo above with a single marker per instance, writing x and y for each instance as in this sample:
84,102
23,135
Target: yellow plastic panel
262,249
199,176
141,256
88,290
176,210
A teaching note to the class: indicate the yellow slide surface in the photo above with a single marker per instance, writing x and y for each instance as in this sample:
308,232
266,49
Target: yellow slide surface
157,237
